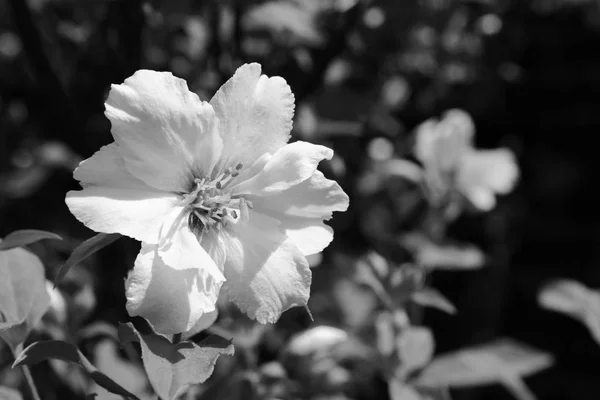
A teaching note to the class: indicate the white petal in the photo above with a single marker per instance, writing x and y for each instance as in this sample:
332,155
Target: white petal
255,113
179,247
107,168
266,274
310,235
134,212
316,197
495,169
171,299
290,165
481,197
165,133
425,135
214,246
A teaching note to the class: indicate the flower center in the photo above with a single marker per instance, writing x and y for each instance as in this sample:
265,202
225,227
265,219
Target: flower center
211,204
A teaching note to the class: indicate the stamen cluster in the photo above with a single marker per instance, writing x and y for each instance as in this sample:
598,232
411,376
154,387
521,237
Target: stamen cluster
212,205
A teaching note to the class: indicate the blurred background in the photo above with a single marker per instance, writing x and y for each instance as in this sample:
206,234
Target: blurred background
365,73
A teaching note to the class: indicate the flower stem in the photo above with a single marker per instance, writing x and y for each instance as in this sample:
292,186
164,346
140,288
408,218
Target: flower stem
30,382
26,372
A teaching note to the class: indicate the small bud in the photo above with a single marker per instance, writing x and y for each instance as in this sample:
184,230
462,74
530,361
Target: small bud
239,166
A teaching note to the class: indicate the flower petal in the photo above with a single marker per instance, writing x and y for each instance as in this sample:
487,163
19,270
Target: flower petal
494,169
107,168
481,197
266,273
215,247
255,113
171,299
179,247
310,235
165,133
289,166
316,197
137,213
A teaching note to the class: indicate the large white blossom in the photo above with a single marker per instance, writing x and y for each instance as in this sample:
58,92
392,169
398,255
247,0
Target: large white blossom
215,193
445,148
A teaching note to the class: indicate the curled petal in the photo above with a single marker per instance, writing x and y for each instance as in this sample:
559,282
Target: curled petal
255,112
266,273
289,166
165,133
172,298
316,197
302,208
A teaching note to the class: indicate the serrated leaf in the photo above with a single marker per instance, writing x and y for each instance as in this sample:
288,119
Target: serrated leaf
57,349
442,255
171,368
7,393
503,361
575,300
23,296
25,237
86,249
430,297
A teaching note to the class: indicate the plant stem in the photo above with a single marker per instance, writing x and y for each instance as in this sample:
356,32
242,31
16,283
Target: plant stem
26,372
30,382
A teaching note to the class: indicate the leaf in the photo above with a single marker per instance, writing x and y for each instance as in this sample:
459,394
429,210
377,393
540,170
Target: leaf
86,249
281,17
404,282
575,300
442,256
430,297
23,296
415,347
25,237
56,349
399,390
7,393
503,361
171,368
131,377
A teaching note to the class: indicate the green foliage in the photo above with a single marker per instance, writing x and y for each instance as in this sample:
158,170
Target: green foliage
172,367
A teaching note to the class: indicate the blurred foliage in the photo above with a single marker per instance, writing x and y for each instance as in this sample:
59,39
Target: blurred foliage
365,73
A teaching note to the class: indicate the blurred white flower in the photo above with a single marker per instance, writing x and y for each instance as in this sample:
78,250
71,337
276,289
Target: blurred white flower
445,148
214,192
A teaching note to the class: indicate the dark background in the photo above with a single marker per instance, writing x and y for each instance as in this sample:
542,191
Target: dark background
531,83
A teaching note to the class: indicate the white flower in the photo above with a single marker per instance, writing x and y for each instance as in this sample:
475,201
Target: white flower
445,148
214,192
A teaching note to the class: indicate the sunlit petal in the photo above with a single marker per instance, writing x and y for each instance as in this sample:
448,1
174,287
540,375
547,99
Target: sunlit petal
266,273
162,128
290,165
172,299
255,112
